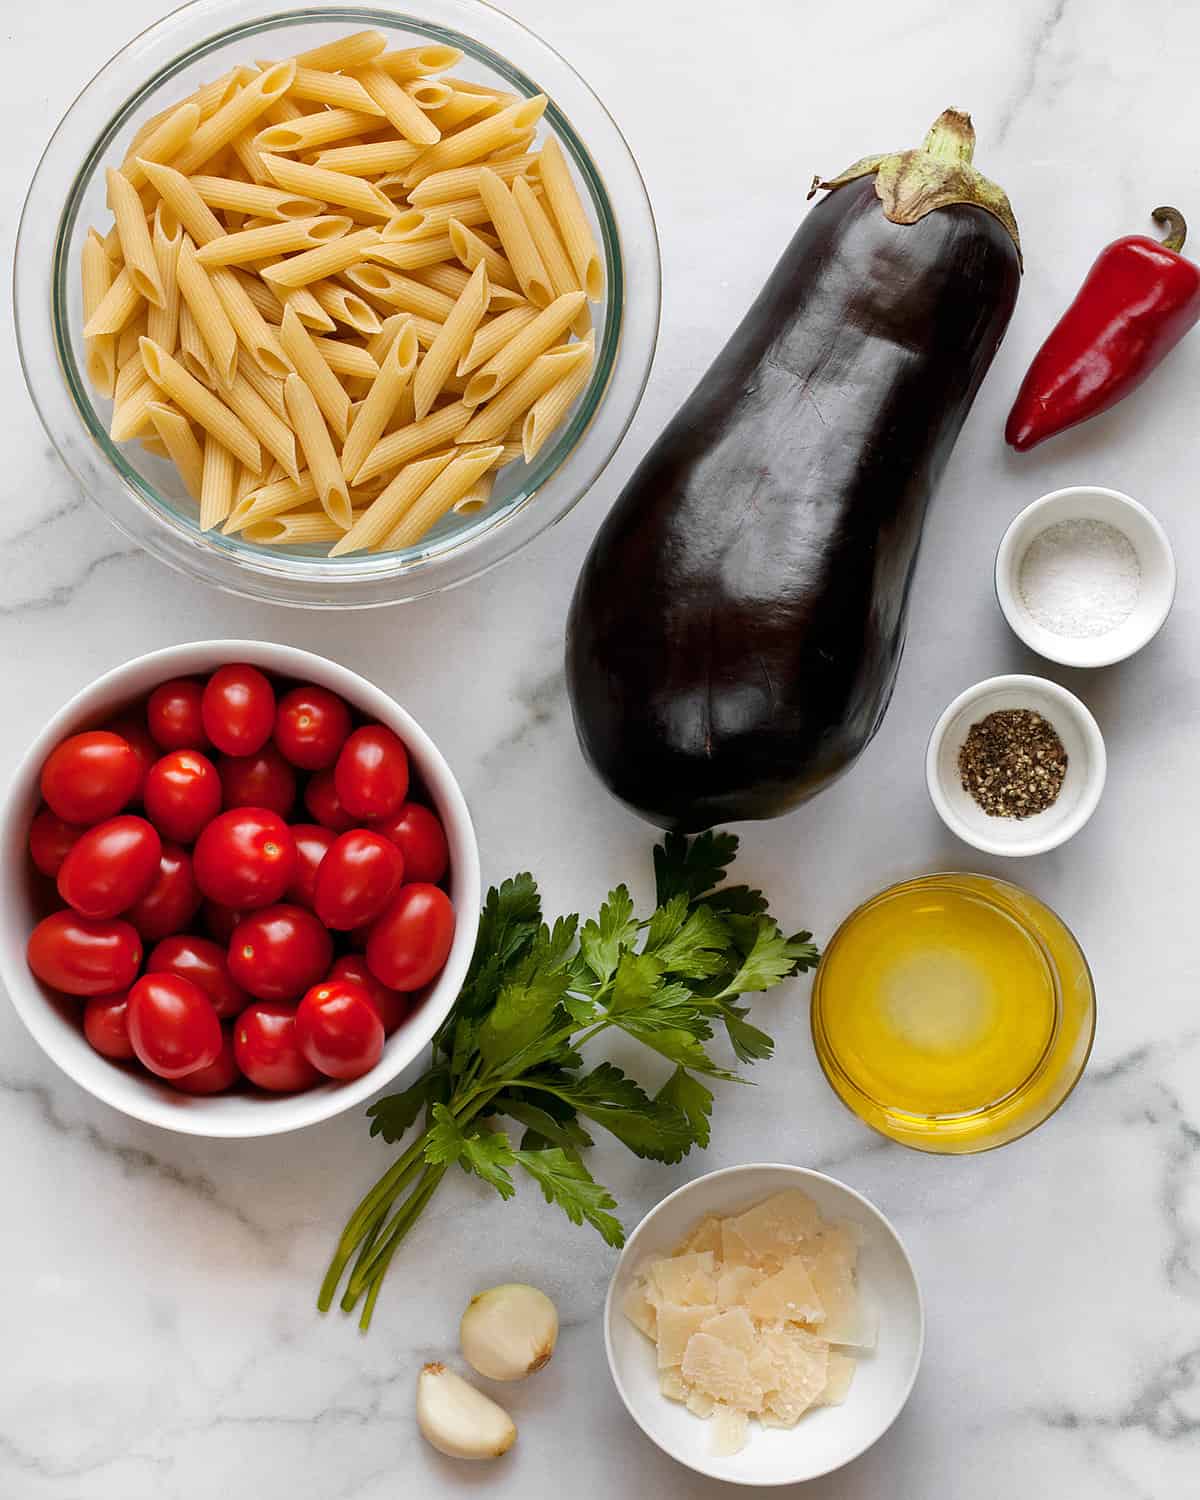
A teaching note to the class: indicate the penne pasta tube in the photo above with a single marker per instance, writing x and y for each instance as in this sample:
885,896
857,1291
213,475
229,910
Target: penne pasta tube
217,481
235,115
136,249
470,86
492,422
249,245
518,146
429,93
473,143
295,530
493,336
267,386
396,448
129,338
175,432
404,114
370,159
549,411
571,219
327,390
372,416
386,509
201,405
463,182
412,255
178,193
362,198
400,291
310,429
469,248
193,352
345,306
97,274
532,340
267,303
554,257
379,343
450,344
420,223
275,435
131,403
348,359
516,240
477,497
504,299
310,132
209,313
255,198
323,86
449,278
271,499
254,332
417,62
115,308
328,260
452,483
457,108
247,155
162,143
152,443
346,52
162,323
308,309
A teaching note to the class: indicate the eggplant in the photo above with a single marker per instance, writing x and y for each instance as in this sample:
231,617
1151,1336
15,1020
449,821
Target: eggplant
735,633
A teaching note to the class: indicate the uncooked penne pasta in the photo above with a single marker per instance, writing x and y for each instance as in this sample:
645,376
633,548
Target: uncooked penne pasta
249,245
449,278
386,509
376,410
348,359
463,182
429,93
201,405
516,239
457,108
346,52
115,308
417,62
389,286
248,157
345,306
255,198
178,193
361,197
328,260
451,343
162,143
275,435
131,402
328,392
310,132
209,313
297,530
192,350
217,481
396,448
492,421
471,249
268,302
151,443
267,386
307,308
309,426
420,223
129,338
179,440
379,343
322,86
473,143
235,115
549,411
477,497
571,220
492,336
271,499
520,351
370,159
451,484
554,256
97,272
162,323
136,248
404,114
412,255
254,332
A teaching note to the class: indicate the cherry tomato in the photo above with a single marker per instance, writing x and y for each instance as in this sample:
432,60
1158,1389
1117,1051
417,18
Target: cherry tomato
321,799
132,729
279,952
339,1029
312,844
311,726
238,709
105,1026
261,780
245,858
421,839
357,879
173,715
205,963
391,1004
182,794
411,941
218,1077
266,1049
219,921
51,840
371,774
172,901
90,777
79,956
110,867
173,1028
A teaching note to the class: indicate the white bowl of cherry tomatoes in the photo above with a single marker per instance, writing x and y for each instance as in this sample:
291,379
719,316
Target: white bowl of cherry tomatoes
239,888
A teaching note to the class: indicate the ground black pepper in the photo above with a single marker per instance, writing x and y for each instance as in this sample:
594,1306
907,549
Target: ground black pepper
1013,763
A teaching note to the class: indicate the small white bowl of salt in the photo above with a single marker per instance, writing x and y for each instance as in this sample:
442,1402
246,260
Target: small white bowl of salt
1085,576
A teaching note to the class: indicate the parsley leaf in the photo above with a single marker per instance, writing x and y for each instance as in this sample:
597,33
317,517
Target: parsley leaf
693,1098
392,1116
623,1107
771,958
601,941
486,1153
566,1181
691,869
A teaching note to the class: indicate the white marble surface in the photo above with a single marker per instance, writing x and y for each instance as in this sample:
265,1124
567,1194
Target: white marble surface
159,1335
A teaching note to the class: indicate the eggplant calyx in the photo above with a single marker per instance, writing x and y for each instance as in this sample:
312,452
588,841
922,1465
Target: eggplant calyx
911,184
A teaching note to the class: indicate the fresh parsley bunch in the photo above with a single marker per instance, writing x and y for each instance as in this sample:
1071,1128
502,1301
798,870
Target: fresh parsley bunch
513,1044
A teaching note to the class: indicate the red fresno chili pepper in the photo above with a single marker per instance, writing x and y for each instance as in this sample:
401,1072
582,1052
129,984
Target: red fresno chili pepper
1140,298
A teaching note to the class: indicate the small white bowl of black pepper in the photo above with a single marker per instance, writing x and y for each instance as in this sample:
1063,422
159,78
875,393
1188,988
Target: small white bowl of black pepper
1015,765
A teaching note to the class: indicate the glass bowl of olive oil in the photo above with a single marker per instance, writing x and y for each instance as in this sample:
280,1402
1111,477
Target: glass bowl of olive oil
953,1013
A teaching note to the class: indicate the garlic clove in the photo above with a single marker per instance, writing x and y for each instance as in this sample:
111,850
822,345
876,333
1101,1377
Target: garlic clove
459,1420
509,1331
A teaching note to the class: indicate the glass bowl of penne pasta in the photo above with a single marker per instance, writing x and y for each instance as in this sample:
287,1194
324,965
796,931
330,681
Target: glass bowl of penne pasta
337,307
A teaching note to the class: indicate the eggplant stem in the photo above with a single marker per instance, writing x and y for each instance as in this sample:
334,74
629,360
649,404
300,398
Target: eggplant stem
1174,223
951,137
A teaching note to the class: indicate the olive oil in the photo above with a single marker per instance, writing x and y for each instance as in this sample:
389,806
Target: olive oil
949,1011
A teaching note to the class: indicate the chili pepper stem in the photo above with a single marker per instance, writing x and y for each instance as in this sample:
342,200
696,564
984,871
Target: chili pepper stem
1174,223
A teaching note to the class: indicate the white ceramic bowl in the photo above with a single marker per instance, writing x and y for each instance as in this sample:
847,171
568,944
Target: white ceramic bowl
825,1438
54,1020
1145,535
1081,788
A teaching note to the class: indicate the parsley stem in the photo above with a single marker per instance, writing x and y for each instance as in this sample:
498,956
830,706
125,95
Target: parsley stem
384,1248
367,1216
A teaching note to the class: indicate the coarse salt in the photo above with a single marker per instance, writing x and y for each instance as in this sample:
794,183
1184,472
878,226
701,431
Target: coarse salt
1080,578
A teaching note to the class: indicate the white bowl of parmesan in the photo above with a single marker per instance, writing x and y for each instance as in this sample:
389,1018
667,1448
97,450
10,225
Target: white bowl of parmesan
764,1325
1085,576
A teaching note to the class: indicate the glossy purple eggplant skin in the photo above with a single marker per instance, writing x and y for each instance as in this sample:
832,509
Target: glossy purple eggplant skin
736,629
